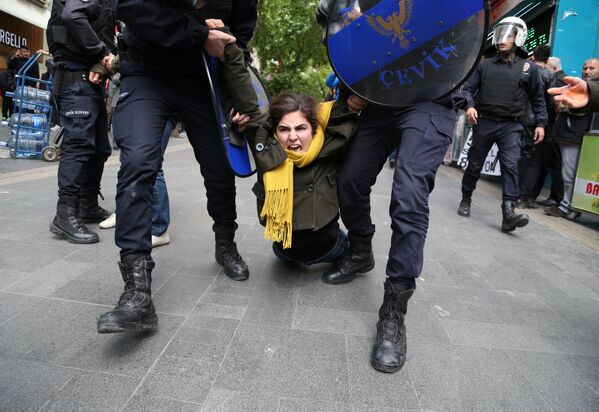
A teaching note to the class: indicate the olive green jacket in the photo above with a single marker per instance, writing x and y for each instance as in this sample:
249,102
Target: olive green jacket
315,186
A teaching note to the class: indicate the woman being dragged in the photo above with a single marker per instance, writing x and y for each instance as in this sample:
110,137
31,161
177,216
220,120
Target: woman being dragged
298,162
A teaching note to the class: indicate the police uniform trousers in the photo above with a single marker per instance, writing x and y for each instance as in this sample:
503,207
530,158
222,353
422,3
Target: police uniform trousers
421,134
85,146
507,135
146,101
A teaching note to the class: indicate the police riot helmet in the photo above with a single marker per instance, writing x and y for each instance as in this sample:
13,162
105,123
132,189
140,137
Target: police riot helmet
510,30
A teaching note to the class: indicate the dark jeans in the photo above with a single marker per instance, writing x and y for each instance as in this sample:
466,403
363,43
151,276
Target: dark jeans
507,135
146,102
545,159
161,216
85,146
421,135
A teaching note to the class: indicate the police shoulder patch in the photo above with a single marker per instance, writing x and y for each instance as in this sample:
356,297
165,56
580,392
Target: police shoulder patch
524,69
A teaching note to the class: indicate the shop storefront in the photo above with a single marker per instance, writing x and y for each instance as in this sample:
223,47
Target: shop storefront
15,33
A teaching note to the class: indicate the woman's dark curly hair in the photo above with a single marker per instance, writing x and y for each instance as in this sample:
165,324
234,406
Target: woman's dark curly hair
292,102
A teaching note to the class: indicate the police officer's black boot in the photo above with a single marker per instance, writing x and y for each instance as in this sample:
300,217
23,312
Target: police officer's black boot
67,223
226,251
89,209
389,351
464,207
135,310
511,220
358,259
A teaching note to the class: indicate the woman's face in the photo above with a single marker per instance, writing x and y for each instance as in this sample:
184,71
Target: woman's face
295,132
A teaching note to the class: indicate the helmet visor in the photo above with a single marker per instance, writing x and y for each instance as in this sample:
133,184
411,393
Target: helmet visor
505,33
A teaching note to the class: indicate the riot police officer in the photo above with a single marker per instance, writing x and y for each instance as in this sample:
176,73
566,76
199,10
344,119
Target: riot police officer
163,74
421,134
496,103
80,34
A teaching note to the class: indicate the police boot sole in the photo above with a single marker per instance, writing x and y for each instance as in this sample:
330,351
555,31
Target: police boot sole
383,367
520,223
70,238
237,277
93,219
342,279
150,322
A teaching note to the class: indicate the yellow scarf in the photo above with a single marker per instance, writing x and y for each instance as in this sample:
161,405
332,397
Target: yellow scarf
278,184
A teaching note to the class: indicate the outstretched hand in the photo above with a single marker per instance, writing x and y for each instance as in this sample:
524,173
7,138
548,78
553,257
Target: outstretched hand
575,94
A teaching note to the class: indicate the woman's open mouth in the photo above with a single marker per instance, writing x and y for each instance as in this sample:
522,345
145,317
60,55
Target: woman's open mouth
295,147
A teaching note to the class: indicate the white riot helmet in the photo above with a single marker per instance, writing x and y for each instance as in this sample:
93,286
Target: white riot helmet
508,30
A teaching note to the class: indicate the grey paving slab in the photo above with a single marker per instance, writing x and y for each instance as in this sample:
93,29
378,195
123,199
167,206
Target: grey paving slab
587,367
373,388
220,400
64,333
9,277
12,304
26,386
89,292
277,361
87,391
179,294
187,389
334,321
461,379
144,403
524,338
552,376
50,278
309,405
31,257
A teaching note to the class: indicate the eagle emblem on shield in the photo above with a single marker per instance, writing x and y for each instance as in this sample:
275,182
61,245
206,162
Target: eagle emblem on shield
395,24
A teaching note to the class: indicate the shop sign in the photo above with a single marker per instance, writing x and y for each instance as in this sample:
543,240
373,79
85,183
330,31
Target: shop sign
586,188
12,39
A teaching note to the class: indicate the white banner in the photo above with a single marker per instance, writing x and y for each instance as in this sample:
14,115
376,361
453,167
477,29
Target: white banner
491,165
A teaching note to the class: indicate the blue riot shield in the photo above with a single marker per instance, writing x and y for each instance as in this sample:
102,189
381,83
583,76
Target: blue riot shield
237,151
400,52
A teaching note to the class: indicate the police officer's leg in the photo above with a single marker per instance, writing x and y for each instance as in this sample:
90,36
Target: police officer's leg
78,116
368,151
424,141
89,210
146,100
198,115
508,143
483,137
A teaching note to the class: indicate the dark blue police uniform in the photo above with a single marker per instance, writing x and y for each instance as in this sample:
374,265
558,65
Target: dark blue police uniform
500,90
79,36
163,75
422,134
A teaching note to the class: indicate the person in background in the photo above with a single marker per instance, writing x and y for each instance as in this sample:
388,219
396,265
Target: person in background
569,130
19,59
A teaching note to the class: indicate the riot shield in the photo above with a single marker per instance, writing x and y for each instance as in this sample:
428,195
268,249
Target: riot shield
401,52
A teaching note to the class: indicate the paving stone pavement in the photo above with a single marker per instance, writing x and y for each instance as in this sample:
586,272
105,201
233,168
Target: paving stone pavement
499,321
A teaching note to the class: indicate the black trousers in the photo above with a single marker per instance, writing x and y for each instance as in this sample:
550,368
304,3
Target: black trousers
544,159
507,135
146,101
421,134
85,146
7,104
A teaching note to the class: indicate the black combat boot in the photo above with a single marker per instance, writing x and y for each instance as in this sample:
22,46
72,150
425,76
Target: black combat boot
389,351
511,220
226,251
89,209
357,259
135,310
67,223
464,208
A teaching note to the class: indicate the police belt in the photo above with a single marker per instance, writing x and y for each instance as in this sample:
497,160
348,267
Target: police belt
511,119
64,77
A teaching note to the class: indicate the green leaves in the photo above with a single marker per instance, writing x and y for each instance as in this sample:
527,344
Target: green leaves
288,42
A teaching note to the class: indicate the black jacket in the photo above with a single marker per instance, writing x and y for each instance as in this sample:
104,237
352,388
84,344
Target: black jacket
16,63
164,37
